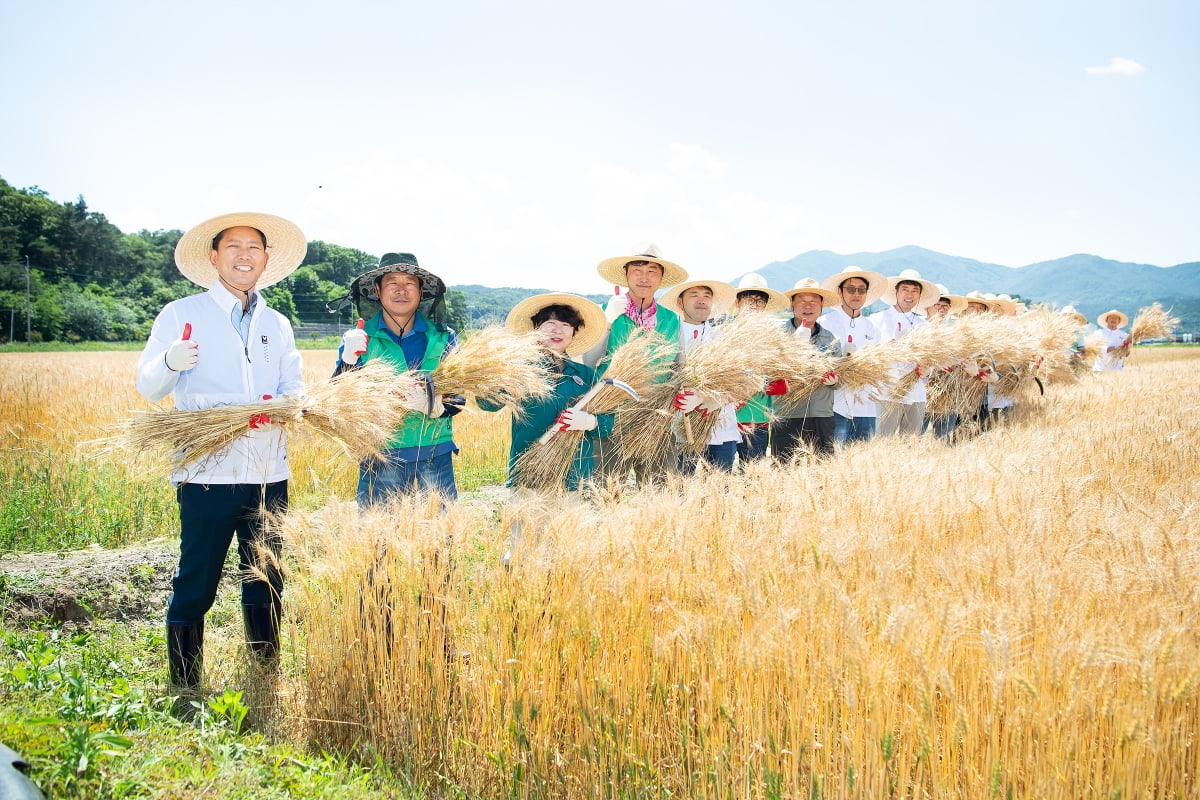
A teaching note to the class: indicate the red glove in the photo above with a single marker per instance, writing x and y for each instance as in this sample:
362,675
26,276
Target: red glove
777,387
259,420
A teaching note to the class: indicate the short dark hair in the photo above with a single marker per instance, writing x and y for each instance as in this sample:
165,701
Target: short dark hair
643,262
217,239
558,312
914,284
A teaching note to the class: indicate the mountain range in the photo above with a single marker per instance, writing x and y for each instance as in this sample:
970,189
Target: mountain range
1090,283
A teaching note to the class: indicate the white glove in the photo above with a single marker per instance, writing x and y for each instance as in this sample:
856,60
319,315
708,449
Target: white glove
829,378
576,419
354,344
615,307
987,375
181,355
414,398
687,401
803,333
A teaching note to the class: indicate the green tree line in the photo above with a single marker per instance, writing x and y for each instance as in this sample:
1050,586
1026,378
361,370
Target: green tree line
68,274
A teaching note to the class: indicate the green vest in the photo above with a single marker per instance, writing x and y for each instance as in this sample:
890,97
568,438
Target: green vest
417,430
666,325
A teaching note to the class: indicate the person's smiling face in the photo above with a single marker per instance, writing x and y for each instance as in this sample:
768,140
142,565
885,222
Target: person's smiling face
240,257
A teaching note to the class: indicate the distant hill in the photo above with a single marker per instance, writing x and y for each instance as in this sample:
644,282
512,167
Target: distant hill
487,305
1090,283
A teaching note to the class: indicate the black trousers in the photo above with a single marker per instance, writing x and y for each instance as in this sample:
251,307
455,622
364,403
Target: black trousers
209,517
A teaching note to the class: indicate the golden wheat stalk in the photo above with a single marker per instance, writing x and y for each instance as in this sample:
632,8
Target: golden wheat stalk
546,465
356,410
1152,323
641,362
643,426
497,365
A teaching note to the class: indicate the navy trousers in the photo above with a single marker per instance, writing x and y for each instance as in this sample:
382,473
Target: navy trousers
209,517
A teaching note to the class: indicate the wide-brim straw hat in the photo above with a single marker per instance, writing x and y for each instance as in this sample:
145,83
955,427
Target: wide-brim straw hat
724,295
754,282
876,282
988,301
595,325
1070,311
613,269
957,301
432,286
810,286
286,247
1100,320
1005,305
929,289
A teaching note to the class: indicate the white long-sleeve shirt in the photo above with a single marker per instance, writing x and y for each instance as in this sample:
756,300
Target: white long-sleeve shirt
855,334
228,370
893,324
726,429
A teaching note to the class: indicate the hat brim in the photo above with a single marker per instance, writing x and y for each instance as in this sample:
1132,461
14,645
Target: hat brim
828,298
957,302
876,283
1124,319
595,324
929,291
286,247
613,270
776,301
431,285
724,295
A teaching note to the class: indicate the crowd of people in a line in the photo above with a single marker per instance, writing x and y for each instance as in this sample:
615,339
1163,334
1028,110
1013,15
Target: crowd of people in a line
226,346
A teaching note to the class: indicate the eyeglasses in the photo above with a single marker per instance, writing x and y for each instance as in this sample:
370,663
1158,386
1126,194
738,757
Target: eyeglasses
752,301
855,289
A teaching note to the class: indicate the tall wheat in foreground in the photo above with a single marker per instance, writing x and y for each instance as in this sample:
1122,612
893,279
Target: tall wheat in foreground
1013,616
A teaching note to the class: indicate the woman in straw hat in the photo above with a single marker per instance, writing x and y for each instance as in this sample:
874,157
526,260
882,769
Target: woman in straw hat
393,327
566,325
1116,341
810,421
222,347
754,416
856,289
907,295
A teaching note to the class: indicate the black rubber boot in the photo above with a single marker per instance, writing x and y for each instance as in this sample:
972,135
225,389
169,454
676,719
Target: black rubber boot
262,631
185,653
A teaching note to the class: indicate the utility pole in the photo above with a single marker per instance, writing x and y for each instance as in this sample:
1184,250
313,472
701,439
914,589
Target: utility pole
28,308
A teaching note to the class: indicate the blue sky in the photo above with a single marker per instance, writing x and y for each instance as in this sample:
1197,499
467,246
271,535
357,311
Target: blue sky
521,143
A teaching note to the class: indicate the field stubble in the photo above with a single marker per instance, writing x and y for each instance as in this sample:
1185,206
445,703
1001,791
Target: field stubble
1015,615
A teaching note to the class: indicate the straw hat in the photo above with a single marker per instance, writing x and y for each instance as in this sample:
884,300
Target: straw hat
876,283
810,286
595,325
432,286
723,295
286,247
978,297
1080,319
753,282
929,289
957,301
1005,305
1100,319
613,269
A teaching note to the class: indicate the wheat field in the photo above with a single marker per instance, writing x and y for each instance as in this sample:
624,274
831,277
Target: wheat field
1012,616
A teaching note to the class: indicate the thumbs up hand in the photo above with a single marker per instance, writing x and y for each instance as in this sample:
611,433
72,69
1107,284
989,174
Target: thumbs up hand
183,352
354,343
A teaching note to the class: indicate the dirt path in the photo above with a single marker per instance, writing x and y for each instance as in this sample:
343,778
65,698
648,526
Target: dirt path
79,586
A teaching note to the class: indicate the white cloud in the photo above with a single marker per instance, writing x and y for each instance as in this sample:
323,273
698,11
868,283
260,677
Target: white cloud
1118,66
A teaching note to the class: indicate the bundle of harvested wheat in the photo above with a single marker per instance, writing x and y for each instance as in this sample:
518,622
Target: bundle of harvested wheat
495,364
356,410
1152,323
